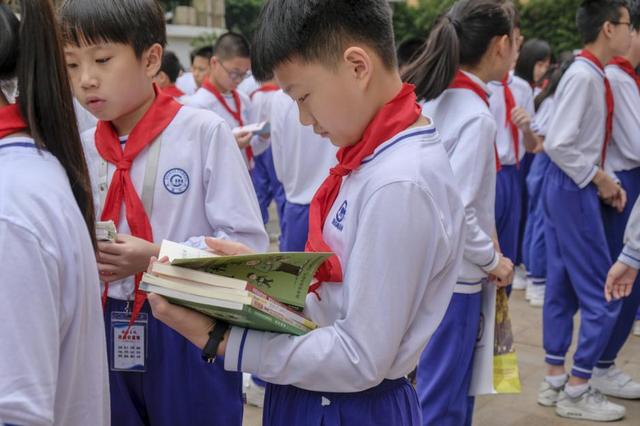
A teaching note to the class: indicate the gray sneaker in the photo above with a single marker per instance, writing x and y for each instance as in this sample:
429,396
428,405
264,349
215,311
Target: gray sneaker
617,383
548,394
591,405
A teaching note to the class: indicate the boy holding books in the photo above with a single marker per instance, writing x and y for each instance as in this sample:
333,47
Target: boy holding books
159,170
389,211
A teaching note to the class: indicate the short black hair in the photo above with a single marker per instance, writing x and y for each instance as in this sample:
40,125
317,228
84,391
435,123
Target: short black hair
532,52
592,14
409,49
634,13
319,30
231,45
137,23
202,52
171,65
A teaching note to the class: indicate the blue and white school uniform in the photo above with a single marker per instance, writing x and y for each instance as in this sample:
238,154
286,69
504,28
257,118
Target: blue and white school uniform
510,180
302,160
53,358
204,99
202,189
468,132
578,258
400,266
265,181
534,241
623,157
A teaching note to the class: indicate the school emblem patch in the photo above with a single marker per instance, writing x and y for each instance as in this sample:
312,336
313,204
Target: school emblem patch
340,214
176,181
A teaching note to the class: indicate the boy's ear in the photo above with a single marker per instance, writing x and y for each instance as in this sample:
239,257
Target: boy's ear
359,63
152,59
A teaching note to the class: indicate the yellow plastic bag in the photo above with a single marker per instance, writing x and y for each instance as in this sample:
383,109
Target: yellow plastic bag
506,376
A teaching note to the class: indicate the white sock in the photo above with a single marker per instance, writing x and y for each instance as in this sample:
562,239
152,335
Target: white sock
556,381
601,372
575,391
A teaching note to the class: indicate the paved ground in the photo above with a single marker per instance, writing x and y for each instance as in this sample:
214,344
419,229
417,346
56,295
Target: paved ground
522,410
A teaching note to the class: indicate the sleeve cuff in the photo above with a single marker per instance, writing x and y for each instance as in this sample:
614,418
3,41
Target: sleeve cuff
630,257
588,178
491,265
243,350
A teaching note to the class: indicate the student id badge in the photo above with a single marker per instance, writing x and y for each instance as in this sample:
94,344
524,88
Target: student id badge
129,344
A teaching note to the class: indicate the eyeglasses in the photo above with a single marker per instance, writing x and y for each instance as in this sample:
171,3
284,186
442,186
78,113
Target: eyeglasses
235,75
622,23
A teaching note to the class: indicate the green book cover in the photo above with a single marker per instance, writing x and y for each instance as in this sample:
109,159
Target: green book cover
283,276
248,317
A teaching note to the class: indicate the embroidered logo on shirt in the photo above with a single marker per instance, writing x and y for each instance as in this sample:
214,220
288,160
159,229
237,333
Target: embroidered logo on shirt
340,214
176,181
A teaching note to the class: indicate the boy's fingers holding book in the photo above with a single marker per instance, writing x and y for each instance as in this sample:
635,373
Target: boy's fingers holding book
191,324
226,247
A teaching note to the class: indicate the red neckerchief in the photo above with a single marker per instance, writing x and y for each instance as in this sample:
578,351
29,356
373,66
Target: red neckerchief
269,87
608,98
462,81
510,104
395,116
237,114
172,90
11,120
121,189
626,66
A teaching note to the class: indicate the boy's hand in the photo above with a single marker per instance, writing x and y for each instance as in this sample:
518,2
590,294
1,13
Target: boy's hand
619,201
620,281
226,247
127,256
191,324
243,139
502,274
608,189
521,118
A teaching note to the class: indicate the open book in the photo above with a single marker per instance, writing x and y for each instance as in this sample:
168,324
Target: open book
256,129
260,291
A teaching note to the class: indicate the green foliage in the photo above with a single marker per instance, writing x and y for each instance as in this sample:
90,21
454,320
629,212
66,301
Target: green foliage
242,15
550,20
207,39
553,21
417,21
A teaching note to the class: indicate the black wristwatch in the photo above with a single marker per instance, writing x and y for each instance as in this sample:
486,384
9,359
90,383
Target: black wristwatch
216,336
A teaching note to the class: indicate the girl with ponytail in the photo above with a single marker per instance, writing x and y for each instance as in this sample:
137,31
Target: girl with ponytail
470,45
53,352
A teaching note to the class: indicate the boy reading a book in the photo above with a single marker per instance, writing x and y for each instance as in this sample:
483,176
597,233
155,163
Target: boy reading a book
389,211
159,170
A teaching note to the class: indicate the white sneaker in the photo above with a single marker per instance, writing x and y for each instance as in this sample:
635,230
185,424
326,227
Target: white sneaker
536,295
616,383
254,394
519,278
636,328
591,405
548,394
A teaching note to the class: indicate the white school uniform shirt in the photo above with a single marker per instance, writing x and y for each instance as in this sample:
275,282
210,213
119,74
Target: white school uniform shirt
523,96
187,83
623,152
260,111
204,99
397,228
468,131
248,85
540,121
576,133
630,254
301,157
202,187
53,357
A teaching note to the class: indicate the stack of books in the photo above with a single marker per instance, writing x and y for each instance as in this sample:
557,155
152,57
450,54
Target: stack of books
258,291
